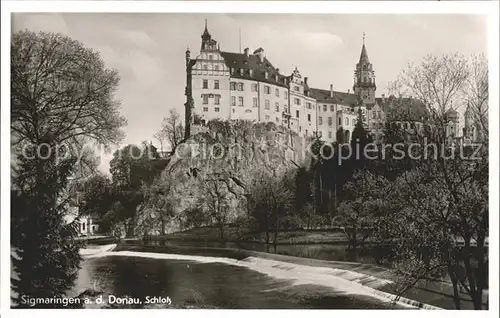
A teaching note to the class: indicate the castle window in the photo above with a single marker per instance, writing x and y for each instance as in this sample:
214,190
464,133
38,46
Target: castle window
379,114
205,109
232,86
332,108
216,67
267,90
374,114
266,104
233,100
286,95
205,67
205,99
217,100
255,102
347,121
217,109
330,121
297,101
340,121
254,87
308,117
329,134
216,84
320,120
240,101
205,84
297,113
277,93
325,108
296,88
267,117
277,106
210,57
240,86
277,120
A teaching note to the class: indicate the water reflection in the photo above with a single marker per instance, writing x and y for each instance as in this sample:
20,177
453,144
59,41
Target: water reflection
329,252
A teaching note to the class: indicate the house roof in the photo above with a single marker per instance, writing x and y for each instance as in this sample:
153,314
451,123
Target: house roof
240,61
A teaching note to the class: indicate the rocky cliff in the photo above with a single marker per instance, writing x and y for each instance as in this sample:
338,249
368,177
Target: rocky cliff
232,154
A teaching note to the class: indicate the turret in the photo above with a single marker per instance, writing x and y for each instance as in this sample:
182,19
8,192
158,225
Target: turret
364,78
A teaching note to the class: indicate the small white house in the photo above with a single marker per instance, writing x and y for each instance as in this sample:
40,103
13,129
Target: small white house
87,225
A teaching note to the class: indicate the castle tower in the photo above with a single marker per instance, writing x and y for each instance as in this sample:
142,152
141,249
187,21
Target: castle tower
364,78
207,43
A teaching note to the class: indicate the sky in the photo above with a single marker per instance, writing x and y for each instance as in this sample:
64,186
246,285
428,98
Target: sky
148,49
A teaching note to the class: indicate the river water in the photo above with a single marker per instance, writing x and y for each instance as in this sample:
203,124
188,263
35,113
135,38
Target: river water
215,279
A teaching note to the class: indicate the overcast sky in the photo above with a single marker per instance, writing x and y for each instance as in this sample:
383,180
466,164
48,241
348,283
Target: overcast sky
148,49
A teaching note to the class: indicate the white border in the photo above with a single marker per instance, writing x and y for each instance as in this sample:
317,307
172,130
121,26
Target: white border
490,8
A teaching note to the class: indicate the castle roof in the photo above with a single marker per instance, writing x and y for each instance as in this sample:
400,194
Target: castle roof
323,95
259,68
403,108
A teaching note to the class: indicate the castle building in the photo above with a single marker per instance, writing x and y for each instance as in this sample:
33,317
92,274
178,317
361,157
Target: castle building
225,85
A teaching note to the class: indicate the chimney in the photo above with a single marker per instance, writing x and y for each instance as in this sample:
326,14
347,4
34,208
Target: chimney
260,53
331,90
246,52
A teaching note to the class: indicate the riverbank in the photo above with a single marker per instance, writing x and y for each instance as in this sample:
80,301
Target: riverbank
233,234
438,294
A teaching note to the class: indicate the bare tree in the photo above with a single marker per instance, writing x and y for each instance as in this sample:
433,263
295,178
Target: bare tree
270,198
441,203
172,130
216,201
475,92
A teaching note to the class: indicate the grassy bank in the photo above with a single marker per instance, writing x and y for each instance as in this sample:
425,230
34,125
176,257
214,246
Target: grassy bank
232,234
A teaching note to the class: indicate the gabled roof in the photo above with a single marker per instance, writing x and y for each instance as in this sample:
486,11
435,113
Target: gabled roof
323,95
246,63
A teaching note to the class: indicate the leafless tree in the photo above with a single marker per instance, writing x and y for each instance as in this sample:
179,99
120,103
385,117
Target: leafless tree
441,204
172,130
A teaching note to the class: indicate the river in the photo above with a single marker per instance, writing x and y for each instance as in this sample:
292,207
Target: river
205,278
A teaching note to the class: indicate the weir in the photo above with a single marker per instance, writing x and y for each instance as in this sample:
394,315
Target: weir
340,280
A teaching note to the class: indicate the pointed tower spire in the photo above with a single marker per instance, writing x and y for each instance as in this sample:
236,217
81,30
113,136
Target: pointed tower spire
206,35
364,77
363,58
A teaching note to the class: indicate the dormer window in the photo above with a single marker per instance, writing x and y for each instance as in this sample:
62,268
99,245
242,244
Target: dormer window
250,72
266,74
241,71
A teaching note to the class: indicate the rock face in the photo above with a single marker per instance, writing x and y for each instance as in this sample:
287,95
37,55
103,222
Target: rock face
232,154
